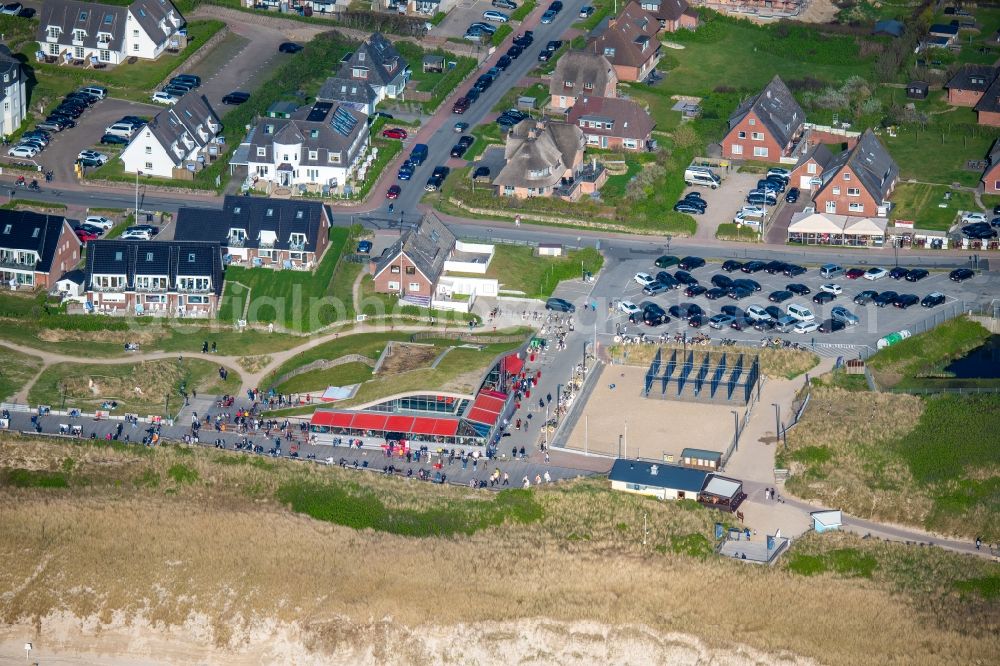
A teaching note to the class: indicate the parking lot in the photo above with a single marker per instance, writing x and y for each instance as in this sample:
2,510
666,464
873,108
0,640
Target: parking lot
726,201
616,282
464,13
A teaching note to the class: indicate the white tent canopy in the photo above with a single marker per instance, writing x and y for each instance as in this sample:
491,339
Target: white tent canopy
816,223
866,226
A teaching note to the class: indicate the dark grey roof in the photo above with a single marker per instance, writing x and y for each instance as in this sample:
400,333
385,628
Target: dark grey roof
325,128
76,275
254,214
889,27
776,107
820,153
377,55
154,17
658,475
9,67
347,90
24,230
943,29
990,101
973,77
92,18
427,245
170,258
189,123
994,155
870,162
665,10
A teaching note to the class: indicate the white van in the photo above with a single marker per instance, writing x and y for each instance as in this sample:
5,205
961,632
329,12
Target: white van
120,129
800,312
99,93
831,270
701,176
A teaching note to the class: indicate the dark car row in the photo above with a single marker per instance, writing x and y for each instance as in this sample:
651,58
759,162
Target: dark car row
521,42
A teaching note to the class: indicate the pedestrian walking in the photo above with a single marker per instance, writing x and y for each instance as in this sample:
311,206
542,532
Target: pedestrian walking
548,477
979,543
506,479
538,479
525,482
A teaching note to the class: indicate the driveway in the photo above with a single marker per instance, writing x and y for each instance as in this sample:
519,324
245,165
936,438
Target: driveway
464,13
724,202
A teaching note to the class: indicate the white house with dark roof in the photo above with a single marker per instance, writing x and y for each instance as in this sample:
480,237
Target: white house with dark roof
180,140
377,63
71,30
12,93
318,146
357,95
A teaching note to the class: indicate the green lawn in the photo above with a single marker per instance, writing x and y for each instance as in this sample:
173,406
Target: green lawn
365,344
538,91
923,204
319,380
297,300
939,152
16,369
501,34
486,135
519,269
658,105
440,84
521,12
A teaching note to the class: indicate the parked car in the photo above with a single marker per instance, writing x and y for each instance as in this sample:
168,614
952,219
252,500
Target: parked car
733,311
504,61
22,151
866,297
823,297
685,278
778,172
697,320
461,105
904,301
759,197
916,275
972,218
806,327
458,150
91,229
504,4
832,287
666,261
695,290
753,266
775,267
548,17
961,275
716,293
653,315
628,307
393,192
933,299
741,323
656,287
832,326
13,9
794,270
136,234
289,47
722,281
364,247
840,313
160,97
780,296
495,16
193,79
586,11
688,207
885,298
798,289
52,126
775,312
85,236
690,263
746,283
481,172
876,273
731,265
236,98
405,171
721,321
524,39
757,312
667,280
898,273
736,292
854,273
395,133
643,279
792,195
433,183
559,305
113,140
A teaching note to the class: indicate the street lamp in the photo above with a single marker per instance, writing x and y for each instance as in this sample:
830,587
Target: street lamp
895,249
137,174
736,430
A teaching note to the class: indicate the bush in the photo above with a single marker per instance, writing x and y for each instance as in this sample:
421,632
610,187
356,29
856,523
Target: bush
29,478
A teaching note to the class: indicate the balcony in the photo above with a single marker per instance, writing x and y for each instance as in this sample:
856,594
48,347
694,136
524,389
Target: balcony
297,247
13,265
236,241
266,244
194,290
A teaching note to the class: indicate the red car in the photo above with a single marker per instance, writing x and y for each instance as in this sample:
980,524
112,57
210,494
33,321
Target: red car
85,236
394,133
393,192
854,273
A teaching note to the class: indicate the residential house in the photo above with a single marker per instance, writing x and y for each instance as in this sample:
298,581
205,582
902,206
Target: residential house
377,63
991,176
612,123
673,15
432,63
657,479
107,34
580,73
859,181
966,88
945,32
180,140
988,108
317,146
766,126
256,231
171,278
544,158
630,43
35,249
412,266
917,90
12,93
809,168
356,95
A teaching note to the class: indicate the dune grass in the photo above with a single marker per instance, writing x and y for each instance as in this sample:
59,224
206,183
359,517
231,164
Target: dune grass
776,363
15,370
903,365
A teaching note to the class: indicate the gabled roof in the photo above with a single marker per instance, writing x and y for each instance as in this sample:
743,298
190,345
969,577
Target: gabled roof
776,107
990,101
818,153
90,17
150,14
10,68
379,57
628,119
994,154
973,77
170,258
254,214
341,89
943,29
180,124
630,39
666,10
538,153
581,68
25,230
871,163
427,245
326,128
658,475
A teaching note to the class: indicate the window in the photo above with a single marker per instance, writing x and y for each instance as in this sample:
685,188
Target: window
335,158
831,206
836,191
737,149
758,136
856,207
297,239
191,258
314,154
811,168
414,286
853,192
197,300
631,144
847,176
194,283
752,121
588,86
410,270
394,269
261,151
105,55
78,35
149,150
54,32
567,84
135,47
609,51
508,190
53,49
741,135
149,166
759,151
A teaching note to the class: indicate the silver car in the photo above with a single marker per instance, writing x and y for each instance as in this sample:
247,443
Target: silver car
841,313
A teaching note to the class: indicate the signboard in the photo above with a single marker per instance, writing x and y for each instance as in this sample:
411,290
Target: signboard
904,224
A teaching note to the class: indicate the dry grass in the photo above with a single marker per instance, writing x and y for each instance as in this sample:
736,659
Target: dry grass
783,363
405,357
253,364
143,336
220,547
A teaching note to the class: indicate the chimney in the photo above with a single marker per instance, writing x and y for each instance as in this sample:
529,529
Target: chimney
654,470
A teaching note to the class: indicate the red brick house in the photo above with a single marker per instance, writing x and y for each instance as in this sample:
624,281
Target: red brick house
673,15
766,126
966,88
991,176
808,171
612,123
412,266
859,181
988,108
629,43
35,249
580,73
